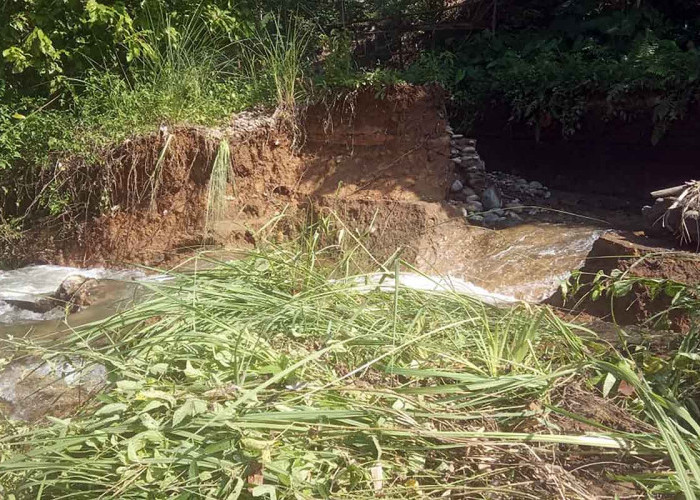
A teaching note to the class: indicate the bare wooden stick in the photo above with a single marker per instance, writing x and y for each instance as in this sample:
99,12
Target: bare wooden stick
672,191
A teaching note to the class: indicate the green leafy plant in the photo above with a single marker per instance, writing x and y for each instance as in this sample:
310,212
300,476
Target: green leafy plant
339,68
185,77
282,373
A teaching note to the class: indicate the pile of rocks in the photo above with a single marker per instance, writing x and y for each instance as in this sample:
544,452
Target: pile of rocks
488,197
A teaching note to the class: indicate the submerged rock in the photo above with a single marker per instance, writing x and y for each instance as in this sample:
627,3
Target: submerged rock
73,294
32,388
40,306
76,292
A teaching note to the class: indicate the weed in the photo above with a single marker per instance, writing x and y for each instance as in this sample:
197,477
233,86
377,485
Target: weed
183,78
278,53
281,374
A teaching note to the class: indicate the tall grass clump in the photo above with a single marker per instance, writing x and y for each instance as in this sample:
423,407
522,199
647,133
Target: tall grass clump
184,74
279,54
280,375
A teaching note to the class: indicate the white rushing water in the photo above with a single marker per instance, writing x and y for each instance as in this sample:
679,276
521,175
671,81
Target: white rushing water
31,283
556,260
527,262
414,281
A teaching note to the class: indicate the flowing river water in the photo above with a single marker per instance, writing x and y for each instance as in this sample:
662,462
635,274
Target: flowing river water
521,263
525,262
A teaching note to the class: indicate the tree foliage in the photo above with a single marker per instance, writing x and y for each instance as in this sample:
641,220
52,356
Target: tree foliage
48,42
77,75
623,60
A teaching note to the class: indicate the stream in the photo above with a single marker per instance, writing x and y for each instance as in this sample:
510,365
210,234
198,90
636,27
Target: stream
521,263
525,262
34,282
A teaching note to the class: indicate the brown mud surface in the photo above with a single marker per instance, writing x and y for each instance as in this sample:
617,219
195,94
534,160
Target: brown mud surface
639,257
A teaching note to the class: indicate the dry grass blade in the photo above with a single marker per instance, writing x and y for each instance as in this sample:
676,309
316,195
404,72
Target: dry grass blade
688,202
157,175
221,172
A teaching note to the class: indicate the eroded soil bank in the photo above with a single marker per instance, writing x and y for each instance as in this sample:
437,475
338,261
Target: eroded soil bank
383,171
381,164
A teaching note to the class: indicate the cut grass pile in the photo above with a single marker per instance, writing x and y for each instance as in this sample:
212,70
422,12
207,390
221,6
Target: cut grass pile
264,378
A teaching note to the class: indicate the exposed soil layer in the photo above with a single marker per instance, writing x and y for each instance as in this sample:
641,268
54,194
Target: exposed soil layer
393,147
381,163
381,166
638,257
365,147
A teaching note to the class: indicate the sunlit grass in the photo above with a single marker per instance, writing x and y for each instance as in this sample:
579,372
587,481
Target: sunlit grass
264,377
221,173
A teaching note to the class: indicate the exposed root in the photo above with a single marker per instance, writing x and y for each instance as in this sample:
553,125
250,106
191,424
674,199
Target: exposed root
689,204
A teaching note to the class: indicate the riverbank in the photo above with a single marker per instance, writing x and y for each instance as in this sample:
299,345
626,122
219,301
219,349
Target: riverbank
389,166
281,373
367,307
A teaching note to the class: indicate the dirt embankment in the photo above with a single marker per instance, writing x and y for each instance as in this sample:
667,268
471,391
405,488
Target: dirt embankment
390,148
381,162
370,147
637,257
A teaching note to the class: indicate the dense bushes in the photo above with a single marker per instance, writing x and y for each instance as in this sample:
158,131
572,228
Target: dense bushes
622,64
46,44
80,74
164,63
544,83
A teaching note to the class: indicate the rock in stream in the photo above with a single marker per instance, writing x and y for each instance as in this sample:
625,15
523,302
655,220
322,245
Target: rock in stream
31,388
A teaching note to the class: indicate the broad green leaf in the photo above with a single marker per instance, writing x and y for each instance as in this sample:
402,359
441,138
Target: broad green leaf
149,422
265,490
138,442
129,385
191,372
160,395
608,384
255,444
159,369
189,408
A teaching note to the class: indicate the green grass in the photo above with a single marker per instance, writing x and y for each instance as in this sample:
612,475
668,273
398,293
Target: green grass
273,377
109,111
192,79
279,52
